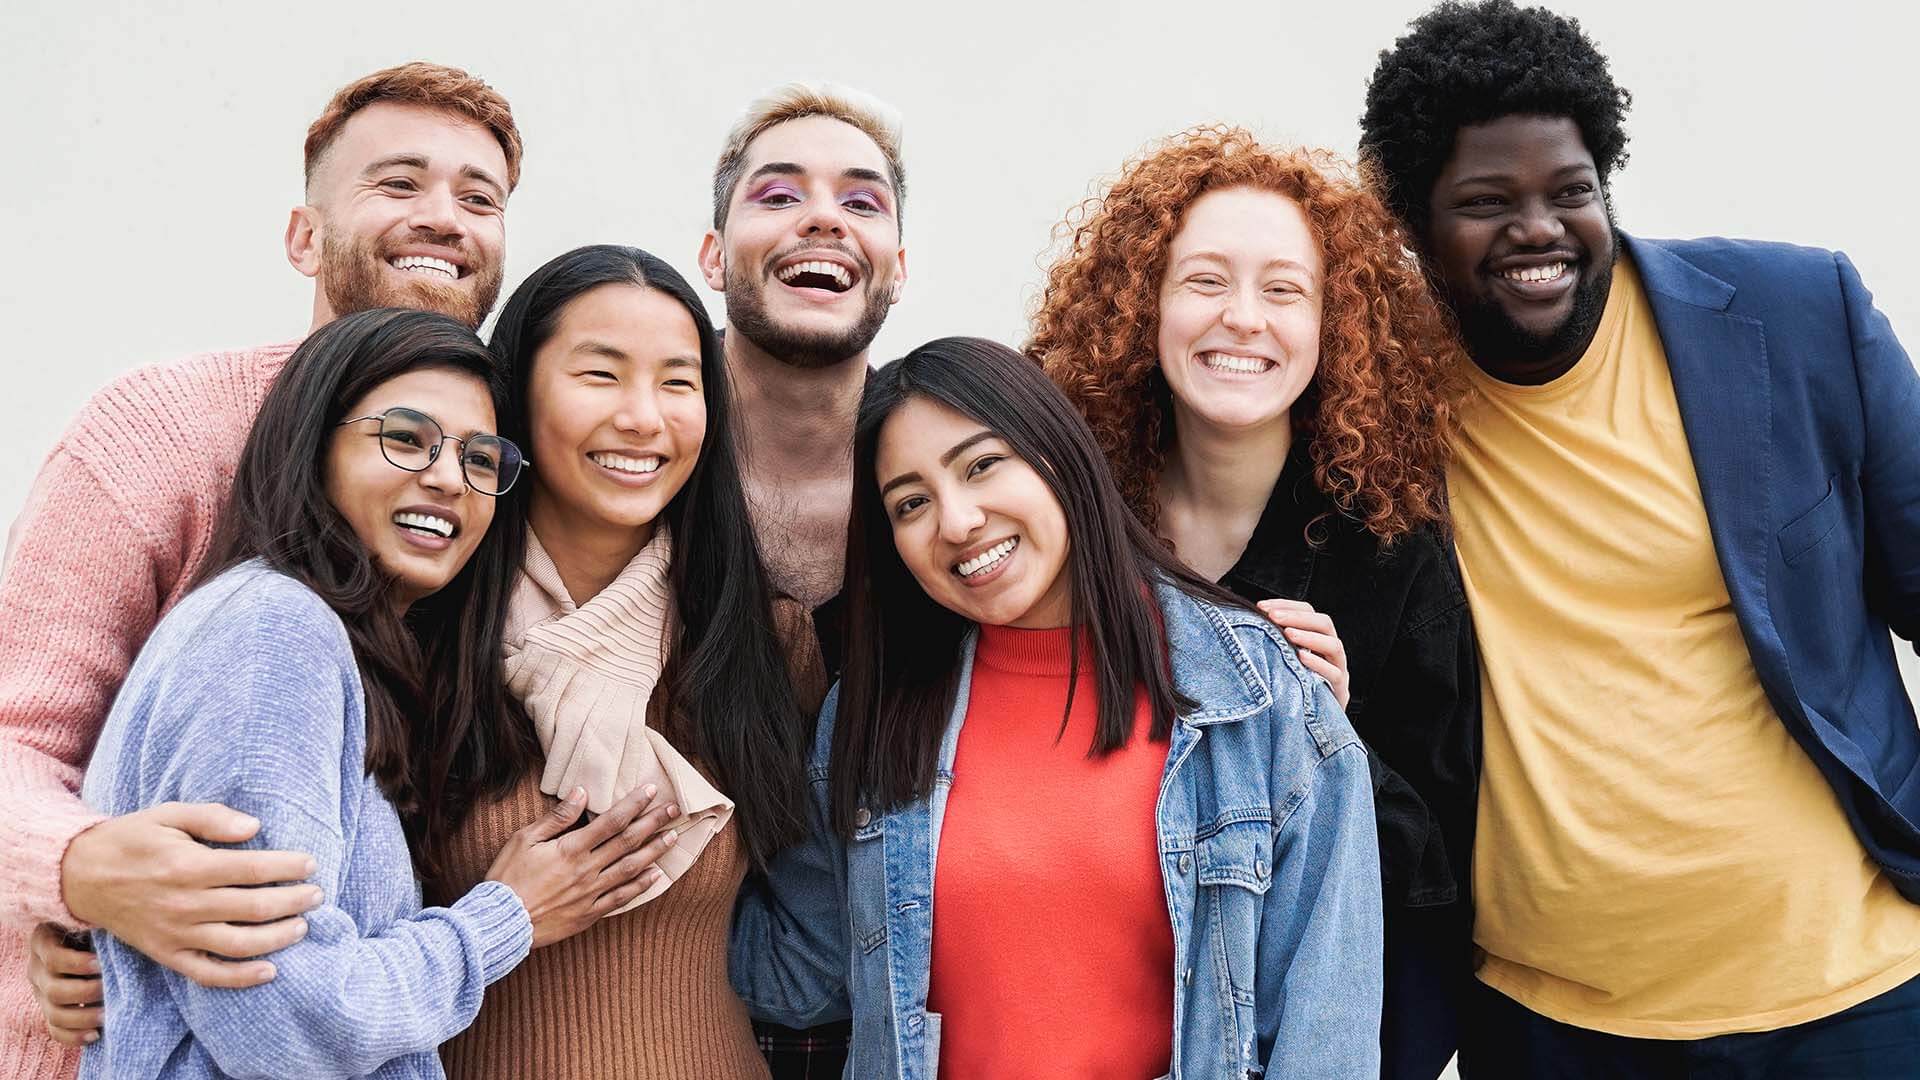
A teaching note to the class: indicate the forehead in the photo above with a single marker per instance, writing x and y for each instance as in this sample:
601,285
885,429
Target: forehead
386,128
1517,144
1247,222
818,144
918,432
638,321
458,400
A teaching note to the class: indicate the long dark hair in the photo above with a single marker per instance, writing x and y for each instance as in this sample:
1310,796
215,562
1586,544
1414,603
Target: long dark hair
903,648
726,675
441,659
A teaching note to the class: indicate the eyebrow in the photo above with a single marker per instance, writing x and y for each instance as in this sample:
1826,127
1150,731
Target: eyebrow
794,168
420,161
1283,263
1501,178
945,459
601,348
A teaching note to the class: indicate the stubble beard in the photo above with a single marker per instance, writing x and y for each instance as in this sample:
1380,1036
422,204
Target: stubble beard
747,316
1489,333
353,279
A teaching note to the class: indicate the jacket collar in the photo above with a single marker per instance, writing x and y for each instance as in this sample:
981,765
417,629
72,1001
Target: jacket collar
1199,634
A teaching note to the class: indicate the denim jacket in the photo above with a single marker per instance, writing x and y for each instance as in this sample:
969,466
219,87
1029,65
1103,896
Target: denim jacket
1268,853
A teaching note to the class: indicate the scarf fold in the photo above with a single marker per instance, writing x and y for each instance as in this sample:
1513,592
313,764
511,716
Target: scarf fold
585,675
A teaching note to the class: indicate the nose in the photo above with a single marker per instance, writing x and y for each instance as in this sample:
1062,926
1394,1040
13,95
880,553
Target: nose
443,475
960,518
823,217
1241,313
1536,225
639,412
435,211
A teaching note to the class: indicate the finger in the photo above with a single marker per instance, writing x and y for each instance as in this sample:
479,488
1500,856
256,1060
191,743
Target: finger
557,820
256,905
1281,603
237,942
215,868
637,862
208,822
644,828
1305,620
72,992
80,1034
1324,644
622,895
1319,666
68,963
617,817
220,974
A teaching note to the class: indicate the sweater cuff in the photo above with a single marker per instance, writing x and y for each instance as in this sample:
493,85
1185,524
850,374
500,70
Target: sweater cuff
501,925
33,856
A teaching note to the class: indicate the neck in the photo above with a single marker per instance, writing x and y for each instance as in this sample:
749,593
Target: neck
1215,474
322,311
794,421
587,554
1532,371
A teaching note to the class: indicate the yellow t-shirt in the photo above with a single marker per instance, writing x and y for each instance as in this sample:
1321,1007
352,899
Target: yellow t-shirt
1656,856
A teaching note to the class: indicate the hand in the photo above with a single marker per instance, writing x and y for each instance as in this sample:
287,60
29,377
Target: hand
149,879
1313,637
66,983
568,880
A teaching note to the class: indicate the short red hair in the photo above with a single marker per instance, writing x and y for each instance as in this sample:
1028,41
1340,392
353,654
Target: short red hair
432,86
1378,413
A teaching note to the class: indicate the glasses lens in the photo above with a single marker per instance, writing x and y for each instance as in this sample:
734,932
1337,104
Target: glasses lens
492,464
410,439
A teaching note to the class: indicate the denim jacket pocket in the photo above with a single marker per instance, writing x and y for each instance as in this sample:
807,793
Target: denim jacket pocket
866,862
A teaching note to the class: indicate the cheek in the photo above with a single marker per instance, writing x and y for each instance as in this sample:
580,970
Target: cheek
561,418
910,541
687,420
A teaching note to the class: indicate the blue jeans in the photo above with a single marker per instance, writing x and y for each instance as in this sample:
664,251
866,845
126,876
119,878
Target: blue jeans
1877,1039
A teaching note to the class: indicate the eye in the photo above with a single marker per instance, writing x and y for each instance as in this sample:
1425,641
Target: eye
401,437
399,183
908,505
982,464
480,200
480,460
1575,194
778,196
682,383
863,203
599,375
1207,281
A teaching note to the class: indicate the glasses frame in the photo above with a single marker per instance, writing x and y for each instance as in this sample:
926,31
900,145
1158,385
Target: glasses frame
433,452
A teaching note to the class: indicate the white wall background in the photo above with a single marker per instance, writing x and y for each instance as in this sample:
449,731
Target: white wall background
153,148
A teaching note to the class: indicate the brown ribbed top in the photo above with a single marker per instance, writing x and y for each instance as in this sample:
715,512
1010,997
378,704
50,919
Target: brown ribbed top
640,994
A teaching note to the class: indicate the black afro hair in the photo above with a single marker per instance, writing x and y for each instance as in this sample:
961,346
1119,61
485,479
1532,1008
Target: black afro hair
1468,63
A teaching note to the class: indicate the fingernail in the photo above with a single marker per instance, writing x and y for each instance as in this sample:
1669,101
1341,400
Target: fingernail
301,930
312,867
671,839
578,794
266,972
672,810
90,1037
315,897
652,790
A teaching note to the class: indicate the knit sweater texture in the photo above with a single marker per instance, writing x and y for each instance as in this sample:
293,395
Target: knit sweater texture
248,694
642,994
116,524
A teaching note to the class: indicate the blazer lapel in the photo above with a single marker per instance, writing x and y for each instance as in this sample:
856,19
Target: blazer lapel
1724,389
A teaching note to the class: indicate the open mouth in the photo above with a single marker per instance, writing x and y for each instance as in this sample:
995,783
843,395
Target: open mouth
983,563
1235,364
641,465
426,524
425,264
816,274
1537,275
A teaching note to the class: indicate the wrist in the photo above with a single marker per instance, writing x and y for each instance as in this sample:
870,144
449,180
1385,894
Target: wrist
75,881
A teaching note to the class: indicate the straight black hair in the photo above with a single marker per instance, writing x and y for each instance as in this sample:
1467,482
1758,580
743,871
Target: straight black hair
441,660
727,681
903,648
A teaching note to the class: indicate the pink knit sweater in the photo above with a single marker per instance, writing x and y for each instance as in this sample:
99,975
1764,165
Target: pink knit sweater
116,524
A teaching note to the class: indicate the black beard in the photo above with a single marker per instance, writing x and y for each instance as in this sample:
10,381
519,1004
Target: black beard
351,279
747,316
1491,336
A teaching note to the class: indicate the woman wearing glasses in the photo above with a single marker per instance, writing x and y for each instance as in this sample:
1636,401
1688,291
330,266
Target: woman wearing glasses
643,645
351,597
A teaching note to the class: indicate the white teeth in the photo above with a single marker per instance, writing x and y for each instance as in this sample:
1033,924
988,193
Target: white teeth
986,559
1536,274
427,263
833,270
1245,365
623,463
438,526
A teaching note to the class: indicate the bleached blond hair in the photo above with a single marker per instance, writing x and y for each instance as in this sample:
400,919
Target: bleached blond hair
793,101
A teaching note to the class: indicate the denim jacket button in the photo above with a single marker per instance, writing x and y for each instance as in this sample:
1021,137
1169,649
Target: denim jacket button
1186,863
1260,869
1188,977
861,818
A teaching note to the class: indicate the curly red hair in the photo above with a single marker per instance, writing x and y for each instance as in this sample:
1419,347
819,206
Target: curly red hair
1379,411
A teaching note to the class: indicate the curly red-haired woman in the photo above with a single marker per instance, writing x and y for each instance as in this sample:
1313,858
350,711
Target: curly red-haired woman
1273,384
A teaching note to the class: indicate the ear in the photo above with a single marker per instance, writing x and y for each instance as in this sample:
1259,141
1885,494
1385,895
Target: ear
899,275
303,240
713,262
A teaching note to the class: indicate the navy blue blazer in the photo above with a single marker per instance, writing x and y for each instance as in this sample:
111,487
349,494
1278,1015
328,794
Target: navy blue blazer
1803,416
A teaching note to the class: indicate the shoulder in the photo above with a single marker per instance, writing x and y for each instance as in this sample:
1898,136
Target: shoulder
159,399
1768,278
253,617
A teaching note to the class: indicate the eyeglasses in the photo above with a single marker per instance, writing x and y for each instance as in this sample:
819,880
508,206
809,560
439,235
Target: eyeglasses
411,440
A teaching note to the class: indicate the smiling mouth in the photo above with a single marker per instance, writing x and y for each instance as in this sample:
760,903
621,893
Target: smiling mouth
816,274
1235,365
1537,275
426,525
986,560
624,463
425,264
